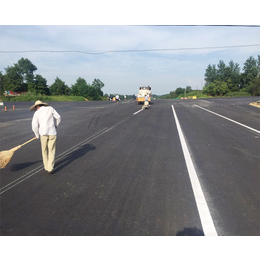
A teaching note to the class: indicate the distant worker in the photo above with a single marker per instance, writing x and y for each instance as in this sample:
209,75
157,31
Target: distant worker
146,101
44,125
125,97
133,97
117,98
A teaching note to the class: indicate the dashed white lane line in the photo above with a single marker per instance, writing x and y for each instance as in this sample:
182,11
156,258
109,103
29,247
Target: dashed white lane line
204,213
138,111
229,119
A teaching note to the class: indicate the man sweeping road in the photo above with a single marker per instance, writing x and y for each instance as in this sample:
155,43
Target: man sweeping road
44,124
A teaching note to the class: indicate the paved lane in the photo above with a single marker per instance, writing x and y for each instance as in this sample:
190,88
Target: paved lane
123,174
226,156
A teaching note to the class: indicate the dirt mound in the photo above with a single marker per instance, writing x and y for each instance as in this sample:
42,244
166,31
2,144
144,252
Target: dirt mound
255,104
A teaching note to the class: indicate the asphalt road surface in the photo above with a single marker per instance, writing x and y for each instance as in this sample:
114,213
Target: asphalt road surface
181,167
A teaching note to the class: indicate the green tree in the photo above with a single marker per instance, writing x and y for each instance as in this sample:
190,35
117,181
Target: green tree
172,94
59,88
39,86
251,70
221,71
92,92
1,83
80,88
210,89
210,74
188,89
216,88
98,84
179,91
26,68
229,74
254,87
258,65
233,76
221,88
13,80
18,77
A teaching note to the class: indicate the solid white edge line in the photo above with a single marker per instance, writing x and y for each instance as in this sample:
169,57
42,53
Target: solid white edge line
228,119
204,213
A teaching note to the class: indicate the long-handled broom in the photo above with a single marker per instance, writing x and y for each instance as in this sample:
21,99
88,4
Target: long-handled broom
6,156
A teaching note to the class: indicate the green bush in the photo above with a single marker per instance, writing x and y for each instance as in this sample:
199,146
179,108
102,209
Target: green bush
44,98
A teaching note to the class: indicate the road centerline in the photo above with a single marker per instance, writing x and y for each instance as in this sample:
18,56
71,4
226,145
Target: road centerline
204,213
138,111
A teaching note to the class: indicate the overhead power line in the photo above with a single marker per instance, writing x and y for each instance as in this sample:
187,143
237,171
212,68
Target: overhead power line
144,50
205,25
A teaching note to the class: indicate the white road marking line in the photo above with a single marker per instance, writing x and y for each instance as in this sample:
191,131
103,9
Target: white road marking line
229,119
60,156
138,111
204,213
39,168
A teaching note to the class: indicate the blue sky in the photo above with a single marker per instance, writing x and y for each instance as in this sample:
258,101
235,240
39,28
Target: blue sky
124,72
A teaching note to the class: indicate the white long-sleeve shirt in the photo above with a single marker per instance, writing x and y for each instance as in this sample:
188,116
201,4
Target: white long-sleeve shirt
45,121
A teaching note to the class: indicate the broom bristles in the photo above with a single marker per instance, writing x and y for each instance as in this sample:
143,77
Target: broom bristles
6,156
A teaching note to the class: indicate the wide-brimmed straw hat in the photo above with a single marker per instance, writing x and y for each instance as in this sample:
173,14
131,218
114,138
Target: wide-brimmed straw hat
38,103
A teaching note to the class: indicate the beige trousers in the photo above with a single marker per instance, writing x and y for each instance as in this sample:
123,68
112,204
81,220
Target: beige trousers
48,144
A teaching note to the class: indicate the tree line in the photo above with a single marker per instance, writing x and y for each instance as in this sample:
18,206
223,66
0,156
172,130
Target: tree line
21,77
226,80
223,79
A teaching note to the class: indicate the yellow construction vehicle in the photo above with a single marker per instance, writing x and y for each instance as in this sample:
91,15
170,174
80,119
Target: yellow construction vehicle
143,91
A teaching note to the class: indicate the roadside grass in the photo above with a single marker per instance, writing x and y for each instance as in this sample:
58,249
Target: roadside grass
43,98
199,94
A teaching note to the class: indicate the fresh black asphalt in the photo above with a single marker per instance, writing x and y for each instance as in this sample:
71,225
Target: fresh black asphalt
123,174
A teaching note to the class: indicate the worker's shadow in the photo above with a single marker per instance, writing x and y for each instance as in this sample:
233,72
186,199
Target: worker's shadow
21,166
69,158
